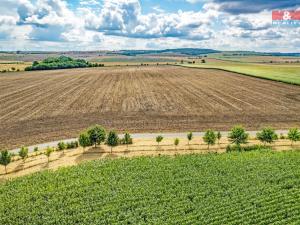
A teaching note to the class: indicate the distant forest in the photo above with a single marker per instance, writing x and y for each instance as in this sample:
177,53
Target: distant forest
61,62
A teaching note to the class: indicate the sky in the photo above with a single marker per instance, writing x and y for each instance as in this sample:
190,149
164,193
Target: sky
85,25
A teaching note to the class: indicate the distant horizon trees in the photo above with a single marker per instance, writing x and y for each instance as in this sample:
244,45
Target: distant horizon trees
61,62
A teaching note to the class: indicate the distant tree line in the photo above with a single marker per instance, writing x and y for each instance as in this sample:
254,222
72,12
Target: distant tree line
61,62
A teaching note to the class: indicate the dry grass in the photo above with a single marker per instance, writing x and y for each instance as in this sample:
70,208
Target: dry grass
37,107
8,66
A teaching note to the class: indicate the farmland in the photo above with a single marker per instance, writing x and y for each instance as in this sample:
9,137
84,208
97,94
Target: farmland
289,73
254,58
234,188
42,106
10,66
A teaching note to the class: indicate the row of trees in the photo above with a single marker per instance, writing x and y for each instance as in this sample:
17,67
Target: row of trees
93,136
239,136
96,135
61,62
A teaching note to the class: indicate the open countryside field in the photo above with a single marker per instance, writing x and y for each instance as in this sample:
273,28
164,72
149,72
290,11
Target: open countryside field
240,57
233,188
42,106
289,73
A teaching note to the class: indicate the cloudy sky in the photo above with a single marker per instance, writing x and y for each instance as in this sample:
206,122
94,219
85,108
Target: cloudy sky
145,24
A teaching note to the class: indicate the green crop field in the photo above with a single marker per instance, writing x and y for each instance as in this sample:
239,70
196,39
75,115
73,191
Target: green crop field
289,73
232,188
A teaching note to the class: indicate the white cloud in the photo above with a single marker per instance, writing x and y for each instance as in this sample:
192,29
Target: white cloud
125,18
122,24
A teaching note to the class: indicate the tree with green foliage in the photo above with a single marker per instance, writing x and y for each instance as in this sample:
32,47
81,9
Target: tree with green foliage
61,62
48,152
209,138
176,143
238,136
219,136
84,140
294,135
158,139
23,153
127,139
97,134
5,159
267,135
189,137
112,140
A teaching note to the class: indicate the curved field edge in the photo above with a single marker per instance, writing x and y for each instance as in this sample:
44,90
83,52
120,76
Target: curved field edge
287,81
232,188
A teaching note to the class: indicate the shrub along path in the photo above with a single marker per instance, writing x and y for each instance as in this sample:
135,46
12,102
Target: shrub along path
140,147
140,136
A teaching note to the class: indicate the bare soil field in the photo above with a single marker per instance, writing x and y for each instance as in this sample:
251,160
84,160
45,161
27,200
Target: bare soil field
37,107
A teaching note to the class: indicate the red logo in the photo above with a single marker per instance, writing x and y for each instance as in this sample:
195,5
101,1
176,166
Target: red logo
286,15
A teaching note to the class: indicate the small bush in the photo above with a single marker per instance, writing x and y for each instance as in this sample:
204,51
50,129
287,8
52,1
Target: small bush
123,142
36,149
23,153
72,144
282,136
239,148
176,142
61,146
159,138
127,140
233,148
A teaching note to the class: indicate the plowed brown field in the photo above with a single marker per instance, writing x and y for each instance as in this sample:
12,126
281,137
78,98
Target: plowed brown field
50,105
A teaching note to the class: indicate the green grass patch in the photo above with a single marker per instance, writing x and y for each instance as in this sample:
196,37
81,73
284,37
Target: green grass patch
259,187
278,72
